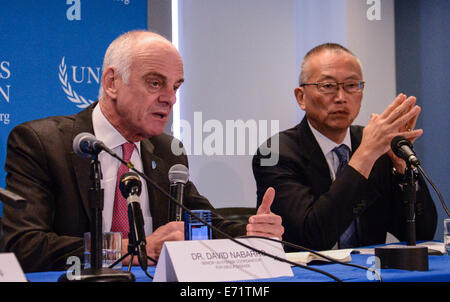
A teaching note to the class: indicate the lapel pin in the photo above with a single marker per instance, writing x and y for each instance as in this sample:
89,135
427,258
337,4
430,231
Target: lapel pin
153,165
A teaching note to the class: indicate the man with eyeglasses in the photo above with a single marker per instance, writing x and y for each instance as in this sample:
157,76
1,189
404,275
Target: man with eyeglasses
338,185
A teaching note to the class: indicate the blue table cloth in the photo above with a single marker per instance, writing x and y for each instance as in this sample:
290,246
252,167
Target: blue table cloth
439,271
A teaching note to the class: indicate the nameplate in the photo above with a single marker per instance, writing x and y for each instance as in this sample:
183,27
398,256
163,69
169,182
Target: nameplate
10,270
220,260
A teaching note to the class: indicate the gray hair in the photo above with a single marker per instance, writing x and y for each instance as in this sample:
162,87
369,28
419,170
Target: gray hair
120,53
334,47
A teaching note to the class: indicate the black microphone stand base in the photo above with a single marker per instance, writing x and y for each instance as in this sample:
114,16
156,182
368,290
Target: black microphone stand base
103,274
405,257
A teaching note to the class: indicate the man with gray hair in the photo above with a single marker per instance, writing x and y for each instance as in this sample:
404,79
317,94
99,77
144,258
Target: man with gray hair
338,185
142,72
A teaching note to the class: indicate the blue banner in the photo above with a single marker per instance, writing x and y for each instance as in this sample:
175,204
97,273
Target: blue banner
51,53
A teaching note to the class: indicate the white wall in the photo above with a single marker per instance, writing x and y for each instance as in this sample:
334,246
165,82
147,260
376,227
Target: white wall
242,62
374,43
239,65
318,22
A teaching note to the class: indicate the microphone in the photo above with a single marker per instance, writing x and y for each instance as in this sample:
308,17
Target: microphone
404,149
86,144
130,186
174,200
178,177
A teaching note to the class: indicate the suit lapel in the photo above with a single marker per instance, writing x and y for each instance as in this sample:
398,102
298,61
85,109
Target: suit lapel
317,167
81,166
155,168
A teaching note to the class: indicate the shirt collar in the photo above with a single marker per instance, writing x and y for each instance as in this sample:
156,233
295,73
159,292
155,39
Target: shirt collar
105,132
326,144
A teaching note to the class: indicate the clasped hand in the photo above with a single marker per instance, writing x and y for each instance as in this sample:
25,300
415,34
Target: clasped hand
399,118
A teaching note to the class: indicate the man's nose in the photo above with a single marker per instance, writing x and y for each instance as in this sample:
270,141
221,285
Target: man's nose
340,94
168,96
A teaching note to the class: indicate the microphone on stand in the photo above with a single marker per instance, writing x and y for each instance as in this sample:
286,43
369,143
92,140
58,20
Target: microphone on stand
131,186
194,229
178,177
410,256
86,144
404,149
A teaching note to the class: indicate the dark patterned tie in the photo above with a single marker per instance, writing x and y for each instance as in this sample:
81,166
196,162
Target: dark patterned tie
348,238
120,212
342,153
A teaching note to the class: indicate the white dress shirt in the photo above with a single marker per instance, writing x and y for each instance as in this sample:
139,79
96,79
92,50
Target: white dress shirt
327,146
105,132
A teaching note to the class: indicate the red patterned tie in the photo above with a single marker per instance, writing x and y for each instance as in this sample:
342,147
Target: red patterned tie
120,211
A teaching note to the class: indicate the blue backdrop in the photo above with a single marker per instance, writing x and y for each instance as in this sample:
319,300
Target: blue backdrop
423,70
51,54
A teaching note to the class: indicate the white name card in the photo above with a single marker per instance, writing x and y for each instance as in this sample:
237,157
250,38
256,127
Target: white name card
10,270
220,260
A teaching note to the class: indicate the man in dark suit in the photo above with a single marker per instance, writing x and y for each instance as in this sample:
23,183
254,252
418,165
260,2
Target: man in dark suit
141,74
339,185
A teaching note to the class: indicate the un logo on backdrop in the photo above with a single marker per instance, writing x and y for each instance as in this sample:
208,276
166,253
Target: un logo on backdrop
5,74
80,74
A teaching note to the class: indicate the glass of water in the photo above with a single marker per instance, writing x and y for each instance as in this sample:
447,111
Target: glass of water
111,251
447,235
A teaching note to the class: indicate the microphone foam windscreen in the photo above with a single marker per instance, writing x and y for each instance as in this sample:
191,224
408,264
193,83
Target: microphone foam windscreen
397,142
77,146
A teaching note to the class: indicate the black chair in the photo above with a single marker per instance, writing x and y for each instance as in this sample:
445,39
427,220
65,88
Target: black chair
236,214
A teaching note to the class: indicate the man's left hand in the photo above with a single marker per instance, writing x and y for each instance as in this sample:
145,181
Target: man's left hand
265,223
399,164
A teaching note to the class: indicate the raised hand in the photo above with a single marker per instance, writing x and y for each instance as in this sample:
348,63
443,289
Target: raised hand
399,118
265,223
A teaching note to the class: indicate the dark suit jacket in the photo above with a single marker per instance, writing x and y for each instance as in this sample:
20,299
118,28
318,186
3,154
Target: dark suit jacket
42,167
316,211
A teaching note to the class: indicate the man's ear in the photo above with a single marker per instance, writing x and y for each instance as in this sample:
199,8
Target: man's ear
300,96
110,82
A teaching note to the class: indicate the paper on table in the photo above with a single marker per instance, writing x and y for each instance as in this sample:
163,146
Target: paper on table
364,251
10,270
434,247
307,257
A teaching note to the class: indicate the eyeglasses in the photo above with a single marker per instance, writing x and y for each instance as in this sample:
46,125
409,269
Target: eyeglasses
333,87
